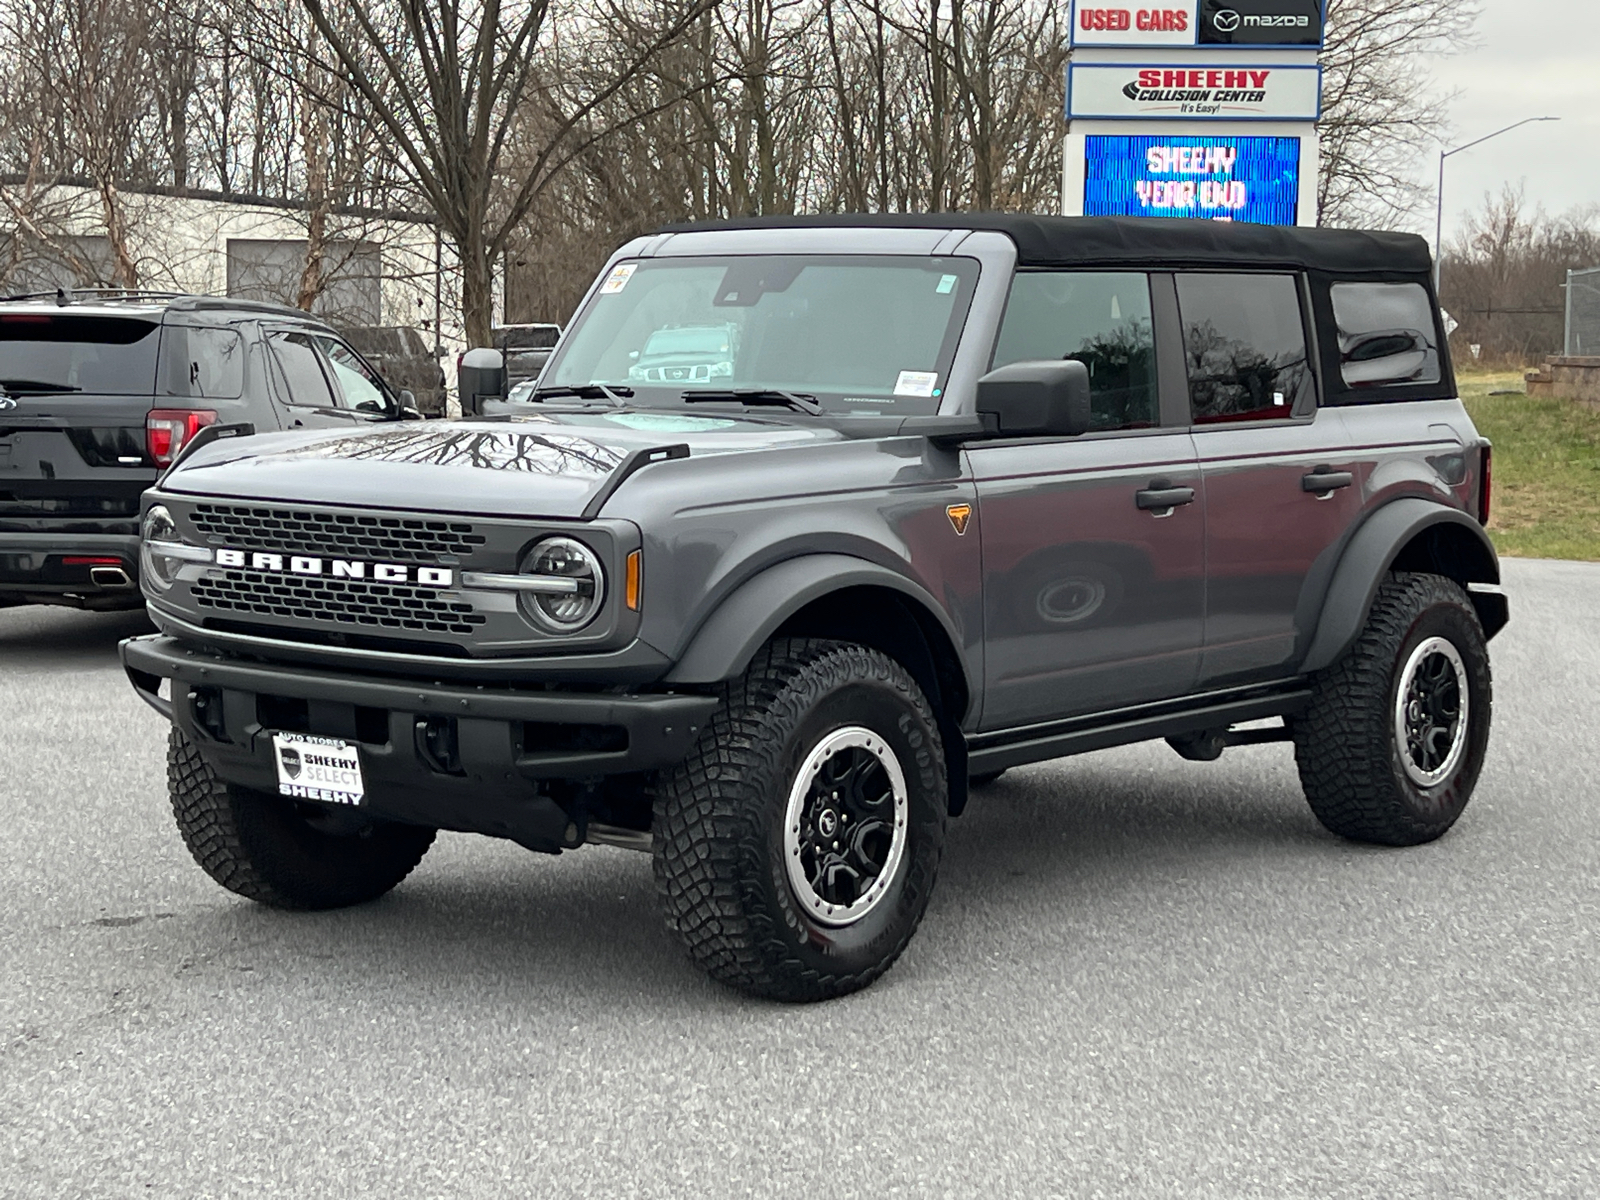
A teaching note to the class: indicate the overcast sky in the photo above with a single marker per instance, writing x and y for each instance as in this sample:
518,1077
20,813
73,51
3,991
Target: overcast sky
1534,58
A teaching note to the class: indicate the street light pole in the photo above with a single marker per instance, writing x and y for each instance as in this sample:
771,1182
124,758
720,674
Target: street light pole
1438,222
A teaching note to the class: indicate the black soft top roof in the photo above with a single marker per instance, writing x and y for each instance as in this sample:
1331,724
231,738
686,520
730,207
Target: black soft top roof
1149,241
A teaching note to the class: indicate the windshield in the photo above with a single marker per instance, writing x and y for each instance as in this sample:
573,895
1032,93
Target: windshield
871,334
45,354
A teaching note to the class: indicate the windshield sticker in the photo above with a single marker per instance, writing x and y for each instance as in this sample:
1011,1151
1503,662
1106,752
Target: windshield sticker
618,279
665,423
947,284
916,383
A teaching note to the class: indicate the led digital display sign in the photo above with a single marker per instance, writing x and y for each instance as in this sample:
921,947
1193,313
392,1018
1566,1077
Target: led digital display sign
1253,179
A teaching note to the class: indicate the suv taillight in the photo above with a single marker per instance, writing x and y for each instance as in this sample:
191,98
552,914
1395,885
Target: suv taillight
168,430
1485,483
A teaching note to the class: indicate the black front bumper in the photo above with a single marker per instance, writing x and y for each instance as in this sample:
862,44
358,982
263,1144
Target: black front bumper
453,756
49,568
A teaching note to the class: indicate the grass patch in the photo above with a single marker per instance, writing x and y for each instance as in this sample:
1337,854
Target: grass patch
1546,468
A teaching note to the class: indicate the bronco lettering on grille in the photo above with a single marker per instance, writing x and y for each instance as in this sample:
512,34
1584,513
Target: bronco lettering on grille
338,568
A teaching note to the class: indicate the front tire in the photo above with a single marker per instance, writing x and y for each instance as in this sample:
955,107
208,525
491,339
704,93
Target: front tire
1391,746
278,852
795,849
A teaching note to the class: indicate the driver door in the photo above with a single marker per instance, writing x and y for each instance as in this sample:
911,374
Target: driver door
1094,595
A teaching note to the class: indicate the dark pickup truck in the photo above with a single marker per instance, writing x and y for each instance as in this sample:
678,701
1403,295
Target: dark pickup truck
942,497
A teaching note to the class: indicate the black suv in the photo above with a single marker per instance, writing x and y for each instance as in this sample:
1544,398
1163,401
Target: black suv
100,391
813,522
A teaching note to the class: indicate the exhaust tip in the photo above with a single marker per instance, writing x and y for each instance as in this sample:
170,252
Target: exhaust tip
111,578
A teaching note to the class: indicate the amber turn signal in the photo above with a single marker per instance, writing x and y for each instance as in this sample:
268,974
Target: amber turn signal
630,589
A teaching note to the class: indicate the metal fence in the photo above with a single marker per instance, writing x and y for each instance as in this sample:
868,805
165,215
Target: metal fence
1583,313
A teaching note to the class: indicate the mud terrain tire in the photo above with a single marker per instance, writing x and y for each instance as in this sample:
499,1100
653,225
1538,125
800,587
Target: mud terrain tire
1397,770
755,793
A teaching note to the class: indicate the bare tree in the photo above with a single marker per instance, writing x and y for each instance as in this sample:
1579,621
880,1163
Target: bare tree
447,83
1502,276
1378,112
92,63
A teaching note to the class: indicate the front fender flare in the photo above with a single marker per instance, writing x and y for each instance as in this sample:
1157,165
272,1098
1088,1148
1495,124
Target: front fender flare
728,639
1368,558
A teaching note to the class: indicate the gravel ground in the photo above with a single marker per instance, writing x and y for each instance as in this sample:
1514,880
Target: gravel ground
1138,977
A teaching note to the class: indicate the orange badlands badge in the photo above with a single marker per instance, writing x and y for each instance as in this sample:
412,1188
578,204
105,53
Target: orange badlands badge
959,515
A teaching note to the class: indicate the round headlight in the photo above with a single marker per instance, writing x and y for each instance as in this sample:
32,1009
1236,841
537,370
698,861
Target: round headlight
159,527
572,585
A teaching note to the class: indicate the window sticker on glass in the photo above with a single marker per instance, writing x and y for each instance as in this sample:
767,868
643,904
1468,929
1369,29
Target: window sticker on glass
915,383
618,279
947,284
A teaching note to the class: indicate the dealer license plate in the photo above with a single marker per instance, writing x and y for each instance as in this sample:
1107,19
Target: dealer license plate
318,768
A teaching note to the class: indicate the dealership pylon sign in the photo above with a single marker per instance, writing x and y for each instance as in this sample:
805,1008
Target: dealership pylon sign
1204,109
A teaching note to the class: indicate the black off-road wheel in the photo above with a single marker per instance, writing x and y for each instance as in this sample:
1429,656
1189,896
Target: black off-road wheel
282,853
1391,746
796,847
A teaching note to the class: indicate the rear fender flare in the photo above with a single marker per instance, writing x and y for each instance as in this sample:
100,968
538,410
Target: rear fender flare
1401,528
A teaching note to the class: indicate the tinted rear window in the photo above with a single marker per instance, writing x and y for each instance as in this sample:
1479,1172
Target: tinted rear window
50,354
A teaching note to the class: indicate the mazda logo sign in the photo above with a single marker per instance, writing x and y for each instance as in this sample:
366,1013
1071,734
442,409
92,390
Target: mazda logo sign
1226,20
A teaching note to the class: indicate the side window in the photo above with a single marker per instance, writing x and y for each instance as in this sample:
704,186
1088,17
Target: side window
1244,344
1386,334
204,363
359,386
1101,318
300,370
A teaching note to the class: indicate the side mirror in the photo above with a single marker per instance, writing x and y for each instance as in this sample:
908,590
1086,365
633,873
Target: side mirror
407,398
482,377
1037,399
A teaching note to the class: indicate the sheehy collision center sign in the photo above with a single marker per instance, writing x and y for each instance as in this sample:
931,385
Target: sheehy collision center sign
1223,178
1219,23
1185,92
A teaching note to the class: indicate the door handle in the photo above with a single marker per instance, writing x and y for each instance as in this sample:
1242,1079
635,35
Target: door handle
1161,497
1325,482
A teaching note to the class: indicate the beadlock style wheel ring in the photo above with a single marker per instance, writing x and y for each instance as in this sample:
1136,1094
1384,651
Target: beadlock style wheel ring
1431,712
844,831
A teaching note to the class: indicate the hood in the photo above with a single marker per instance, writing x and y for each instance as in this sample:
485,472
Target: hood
539,466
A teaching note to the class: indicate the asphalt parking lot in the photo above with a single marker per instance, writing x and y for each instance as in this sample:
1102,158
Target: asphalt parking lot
1139,977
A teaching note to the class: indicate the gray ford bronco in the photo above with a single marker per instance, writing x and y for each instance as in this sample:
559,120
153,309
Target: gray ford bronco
905,501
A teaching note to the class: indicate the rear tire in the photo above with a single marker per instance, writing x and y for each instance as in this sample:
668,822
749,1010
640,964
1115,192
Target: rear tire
1391,746
796,847
268,848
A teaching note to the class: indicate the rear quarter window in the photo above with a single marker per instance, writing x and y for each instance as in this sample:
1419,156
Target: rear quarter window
204,364
1386,333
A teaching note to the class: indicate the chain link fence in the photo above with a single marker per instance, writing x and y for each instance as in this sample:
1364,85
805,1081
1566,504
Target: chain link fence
1583,313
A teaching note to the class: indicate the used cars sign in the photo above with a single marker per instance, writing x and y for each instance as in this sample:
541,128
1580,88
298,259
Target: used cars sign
1297,23
1188,92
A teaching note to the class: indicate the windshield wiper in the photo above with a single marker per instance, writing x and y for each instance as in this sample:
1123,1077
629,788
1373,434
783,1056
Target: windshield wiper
38,386
586,391
799,401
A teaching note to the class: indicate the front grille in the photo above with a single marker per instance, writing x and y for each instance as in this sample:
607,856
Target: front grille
336,534
342,601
